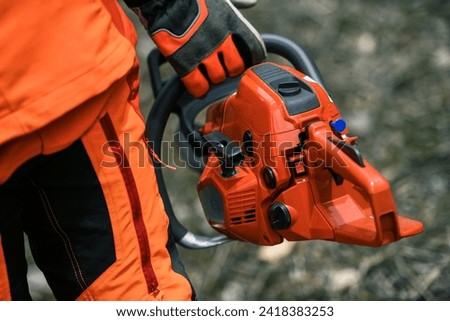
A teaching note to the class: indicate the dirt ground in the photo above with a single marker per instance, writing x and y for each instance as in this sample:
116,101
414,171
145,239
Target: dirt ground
387,66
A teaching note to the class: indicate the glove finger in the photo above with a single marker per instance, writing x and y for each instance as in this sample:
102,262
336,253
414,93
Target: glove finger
214,68
196,83
246,38
231,58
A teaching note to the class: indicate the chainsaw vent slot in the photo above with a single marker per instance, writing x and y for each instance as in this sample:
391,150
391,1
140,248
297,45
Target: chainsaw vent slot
242,207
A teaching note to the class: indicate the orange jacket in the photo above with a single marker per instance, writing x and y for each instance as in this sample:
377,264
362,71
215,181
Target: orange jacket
55,56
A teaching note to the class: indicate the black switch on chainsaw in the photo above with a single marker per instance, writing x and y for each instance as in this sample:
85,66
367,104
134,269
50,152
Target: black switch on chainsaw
229,154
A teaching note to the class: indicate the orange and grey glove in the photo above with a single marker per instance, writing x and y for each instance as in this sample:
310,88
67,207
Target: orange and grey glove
205,41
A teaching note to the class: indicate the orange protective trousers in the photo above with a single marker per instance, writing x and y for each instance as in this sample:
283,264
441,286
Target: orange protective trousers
72,110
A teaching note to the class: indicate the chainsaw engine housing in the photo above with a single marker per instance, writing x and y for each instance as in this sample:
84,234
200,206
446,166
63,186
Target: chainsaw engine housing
281,165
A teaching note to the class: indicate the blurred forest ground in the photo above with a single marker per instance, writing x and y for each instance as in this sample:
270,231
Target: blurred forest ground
387,66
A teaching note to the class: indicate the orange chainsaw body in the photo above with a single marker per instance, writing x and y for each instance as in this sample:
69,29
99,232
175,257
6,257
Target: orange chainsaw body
301,176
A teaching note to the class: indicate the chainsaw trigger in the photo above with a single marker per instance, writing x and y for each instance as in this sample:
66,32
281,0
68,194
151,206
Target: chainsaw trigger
351,150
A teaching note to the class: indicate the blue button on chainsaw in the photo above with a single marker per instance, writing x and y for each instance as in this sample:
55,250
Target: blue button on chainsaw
338,125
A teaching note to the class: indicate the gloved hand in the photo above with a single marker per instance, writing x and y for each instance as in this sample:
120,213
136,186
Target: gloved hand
205,41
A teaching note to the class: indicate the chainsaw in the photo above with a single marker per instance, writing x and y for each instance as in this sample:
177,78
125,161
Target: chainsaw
276,159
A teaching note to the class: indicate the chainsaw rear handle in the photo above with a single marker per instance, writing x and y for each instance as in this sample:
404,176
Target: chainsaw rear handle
171,96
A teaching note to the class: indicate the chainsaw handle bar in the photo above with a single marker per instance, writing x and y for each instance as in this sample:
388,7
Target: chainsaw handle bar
167,98
164,105
289,50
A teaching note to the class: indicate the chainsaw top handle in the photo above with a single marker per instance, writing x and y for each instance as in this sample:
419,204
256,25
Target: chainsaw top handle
171,97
